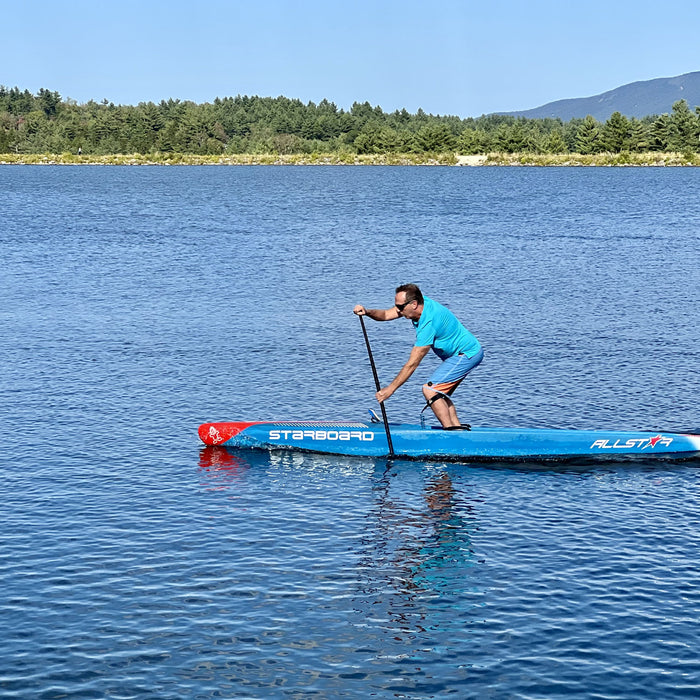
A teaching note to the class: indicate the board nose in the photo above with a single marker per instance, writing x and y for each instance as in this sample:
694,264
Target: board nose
220,433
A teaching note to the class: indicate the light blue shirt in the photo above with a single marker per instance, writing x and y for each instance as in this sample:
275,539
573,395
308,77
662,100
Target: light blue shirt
440,328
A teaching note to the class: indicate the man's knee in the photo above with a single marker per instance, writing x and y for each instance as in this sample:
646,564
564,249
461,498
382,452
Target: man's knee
431,396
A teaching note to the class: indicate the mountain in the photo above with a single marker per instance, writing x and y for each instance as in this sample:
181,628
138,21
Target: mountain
639,99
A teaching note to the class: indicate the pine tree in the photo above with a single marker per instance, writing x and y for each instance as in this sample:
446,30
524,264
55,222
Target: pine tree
555,143
436,138
638,139
659,133
588,137
683,128
615,133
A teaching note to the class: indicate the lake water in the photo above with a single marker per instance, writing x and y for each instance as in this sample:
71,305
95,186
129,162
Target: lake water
136,303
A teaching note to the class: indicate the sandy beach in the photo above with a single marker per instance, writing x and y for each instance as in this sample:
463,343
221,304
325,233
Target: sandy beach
471,160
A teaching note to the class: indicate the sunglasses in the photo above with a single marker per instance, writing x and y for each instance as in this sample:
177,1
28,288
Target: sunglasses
401,307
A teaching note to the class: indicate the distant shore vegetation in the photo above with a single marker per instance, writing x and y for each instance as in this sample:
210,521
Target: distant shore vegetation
269,130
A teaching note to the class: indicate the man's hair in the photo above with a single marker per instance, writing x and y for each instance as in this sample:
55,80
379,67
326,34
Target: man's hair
413,293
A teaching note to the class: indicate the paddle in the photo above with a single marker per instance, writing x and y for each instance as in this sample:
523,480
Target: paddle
378,385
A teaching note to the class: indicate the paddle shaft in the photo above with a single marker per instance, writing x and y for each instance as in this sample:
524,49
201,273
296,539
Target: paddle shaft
378,385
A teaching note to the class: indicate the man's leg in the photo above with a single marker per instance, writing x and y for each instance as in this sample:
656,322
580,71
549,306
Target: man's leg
442,384
443,407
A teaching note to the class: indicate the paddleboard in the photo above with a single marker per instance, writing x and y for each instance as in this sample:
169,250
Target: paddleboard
416,441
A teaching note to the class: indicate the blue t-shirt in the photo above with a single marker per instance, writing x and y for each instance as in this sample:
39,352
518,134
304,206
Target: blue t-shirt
439,327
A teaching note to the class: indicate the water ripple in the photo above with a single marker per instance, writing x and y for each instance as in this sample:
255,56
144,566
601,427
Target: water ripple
137,564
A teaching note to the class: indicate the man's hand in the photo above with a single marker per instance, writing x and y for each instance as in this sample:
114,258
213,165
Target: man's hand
360,310
383,394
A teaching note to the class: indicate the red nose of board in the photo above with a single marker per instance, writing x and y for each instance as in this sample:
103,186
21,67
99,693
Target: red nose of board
220,433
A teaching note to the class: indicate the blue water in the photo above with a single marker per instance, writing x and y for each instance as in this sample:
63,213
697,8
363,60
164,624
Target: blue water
136,303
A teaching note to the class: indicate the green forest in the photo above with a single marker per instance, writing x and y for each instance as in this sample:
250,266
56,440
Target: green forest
47,123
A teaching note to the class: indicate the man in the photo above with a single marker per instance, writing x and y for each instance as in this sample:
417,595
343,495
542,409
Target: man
437,328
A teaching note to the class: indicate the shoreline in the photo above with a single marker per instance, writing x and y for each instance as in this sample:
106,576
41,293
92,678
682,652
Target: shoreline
650,159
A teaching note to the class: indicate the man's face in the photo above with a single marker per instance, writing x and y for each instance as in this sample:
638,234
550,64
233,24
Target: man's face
406,309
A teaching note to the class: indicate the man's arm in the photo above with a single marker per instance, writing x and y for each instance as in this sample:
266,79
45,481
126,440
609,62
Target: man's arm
415,358
377,314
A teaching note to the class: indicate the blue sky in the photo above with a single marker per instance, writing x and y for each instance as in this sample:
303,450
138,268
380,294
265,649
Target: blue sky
447,57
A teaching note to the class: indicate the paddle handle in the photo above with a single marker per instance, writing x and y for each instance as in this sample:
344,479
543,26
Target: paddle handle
378,385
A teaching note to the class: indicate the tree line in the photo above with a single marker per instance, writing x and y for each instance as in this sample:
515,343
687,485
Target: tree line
46,123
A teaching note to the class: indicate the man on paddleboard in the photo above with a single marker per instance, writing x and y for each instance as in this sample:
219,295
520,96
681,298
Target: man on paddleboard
437,328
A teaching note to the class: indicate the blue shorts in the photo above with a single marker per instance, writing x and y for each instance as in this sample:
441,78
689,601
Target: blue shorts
447,377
